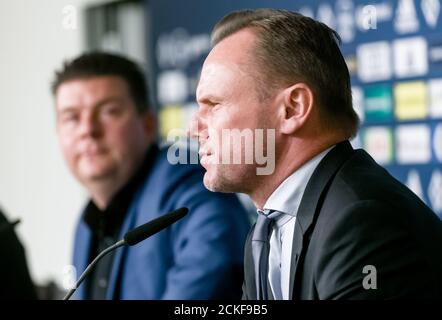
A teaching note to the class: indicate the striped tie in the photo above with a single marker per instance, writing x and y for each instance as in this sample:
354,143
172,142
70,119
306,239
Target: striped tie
260,251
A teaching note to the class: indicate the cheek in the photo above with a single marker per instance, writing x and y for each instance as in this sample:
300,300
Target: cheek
223,126
67,145
238,118
220,124
126,136
223,120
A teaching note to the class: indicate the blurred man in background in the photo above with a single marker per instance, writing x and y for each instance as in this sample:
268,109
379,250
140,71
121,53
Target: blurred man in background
107,135
341,226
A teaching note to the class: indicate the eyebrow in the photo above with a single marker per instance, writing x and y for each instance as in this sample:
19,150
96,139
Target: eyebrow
97,105
208,99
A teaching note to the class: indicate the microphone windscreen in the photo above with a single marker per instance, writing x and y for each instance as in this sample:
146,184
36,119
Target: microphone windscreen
150,228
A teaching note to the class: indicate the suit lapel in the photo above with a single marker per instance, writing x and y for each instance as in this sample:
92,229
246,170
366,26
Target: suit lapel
310,205
81,254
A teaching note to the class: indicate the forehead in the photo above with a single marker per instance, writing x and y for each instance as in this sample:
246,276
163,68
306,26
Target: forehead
86,91
217,75
229,61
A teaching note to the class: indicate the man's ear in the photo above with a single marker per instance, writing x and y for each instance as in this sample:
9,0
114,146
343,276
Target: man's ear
296,107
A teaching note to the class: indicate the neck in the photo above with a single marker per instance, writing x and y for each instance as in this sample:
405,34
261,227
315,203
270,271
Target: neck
102,193
290,157
103,190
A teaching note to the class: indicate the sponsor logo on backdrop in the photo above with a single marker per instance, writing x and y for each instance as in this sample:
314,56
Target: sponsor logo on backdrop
413,144
170,118
326,15
374,61
435,53
178,49
173,87
406,20
435,93
431,11
411,100
378,142
370,15
345,20
378,103
414,183
410,57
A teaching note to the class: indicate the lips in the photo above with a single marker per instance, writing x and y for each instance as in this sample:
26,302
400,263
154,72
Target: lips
204,151
92,151
204,155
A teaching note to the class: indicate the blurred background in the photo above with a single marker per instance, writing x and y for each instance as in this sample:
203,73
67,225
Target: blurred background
393,50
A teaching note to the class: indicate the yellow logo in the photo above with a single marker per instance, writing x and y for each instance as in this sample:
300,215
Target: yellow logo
411,100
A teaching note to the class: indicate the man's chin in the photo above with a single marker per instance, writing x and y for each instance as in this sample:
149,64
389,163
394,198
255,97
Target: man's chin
95,174
217,184
210,183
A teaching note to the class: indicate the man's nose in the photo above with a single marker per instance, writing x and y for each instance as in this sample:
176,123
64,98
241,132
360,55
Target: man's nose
90,125
195,127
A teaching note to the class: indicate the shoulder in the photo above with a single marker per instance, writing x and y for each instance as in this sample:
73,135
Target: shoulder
362,183
364,205
373,233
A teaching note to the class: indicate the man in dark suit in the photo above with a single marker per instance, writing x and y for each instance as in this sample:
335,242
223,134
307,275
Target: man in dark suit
332,224
107,135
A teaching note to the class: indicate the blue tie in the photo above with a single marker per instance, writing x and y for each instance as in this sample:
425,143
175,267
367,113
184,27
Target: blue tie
260,251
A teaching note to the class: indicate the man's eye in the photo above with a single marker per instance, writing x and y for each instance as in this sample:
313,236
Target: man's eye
69,118
112,110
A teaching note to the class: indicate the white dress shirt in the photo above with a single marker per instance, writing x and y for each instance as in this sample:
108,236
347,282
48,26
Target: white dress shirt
286,199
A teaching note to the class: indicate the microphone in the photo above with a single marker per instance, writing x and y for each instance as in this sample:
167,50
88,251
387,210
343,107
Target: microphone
133,237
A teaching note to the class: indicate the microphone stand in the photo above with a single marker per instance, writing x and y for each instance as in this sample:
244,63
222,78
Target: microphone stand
133,237
93,263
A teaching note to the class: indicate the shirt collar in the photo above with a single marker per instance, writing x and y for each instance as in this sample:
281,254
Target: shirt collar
287,197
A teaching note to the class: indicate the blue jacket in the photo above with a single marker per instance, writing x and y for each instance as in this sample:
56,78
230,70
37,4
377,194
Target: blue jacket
198,257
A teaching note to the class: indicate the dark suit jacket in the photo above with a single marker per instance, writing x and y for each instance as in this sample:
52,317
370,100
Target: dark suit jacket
354,214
